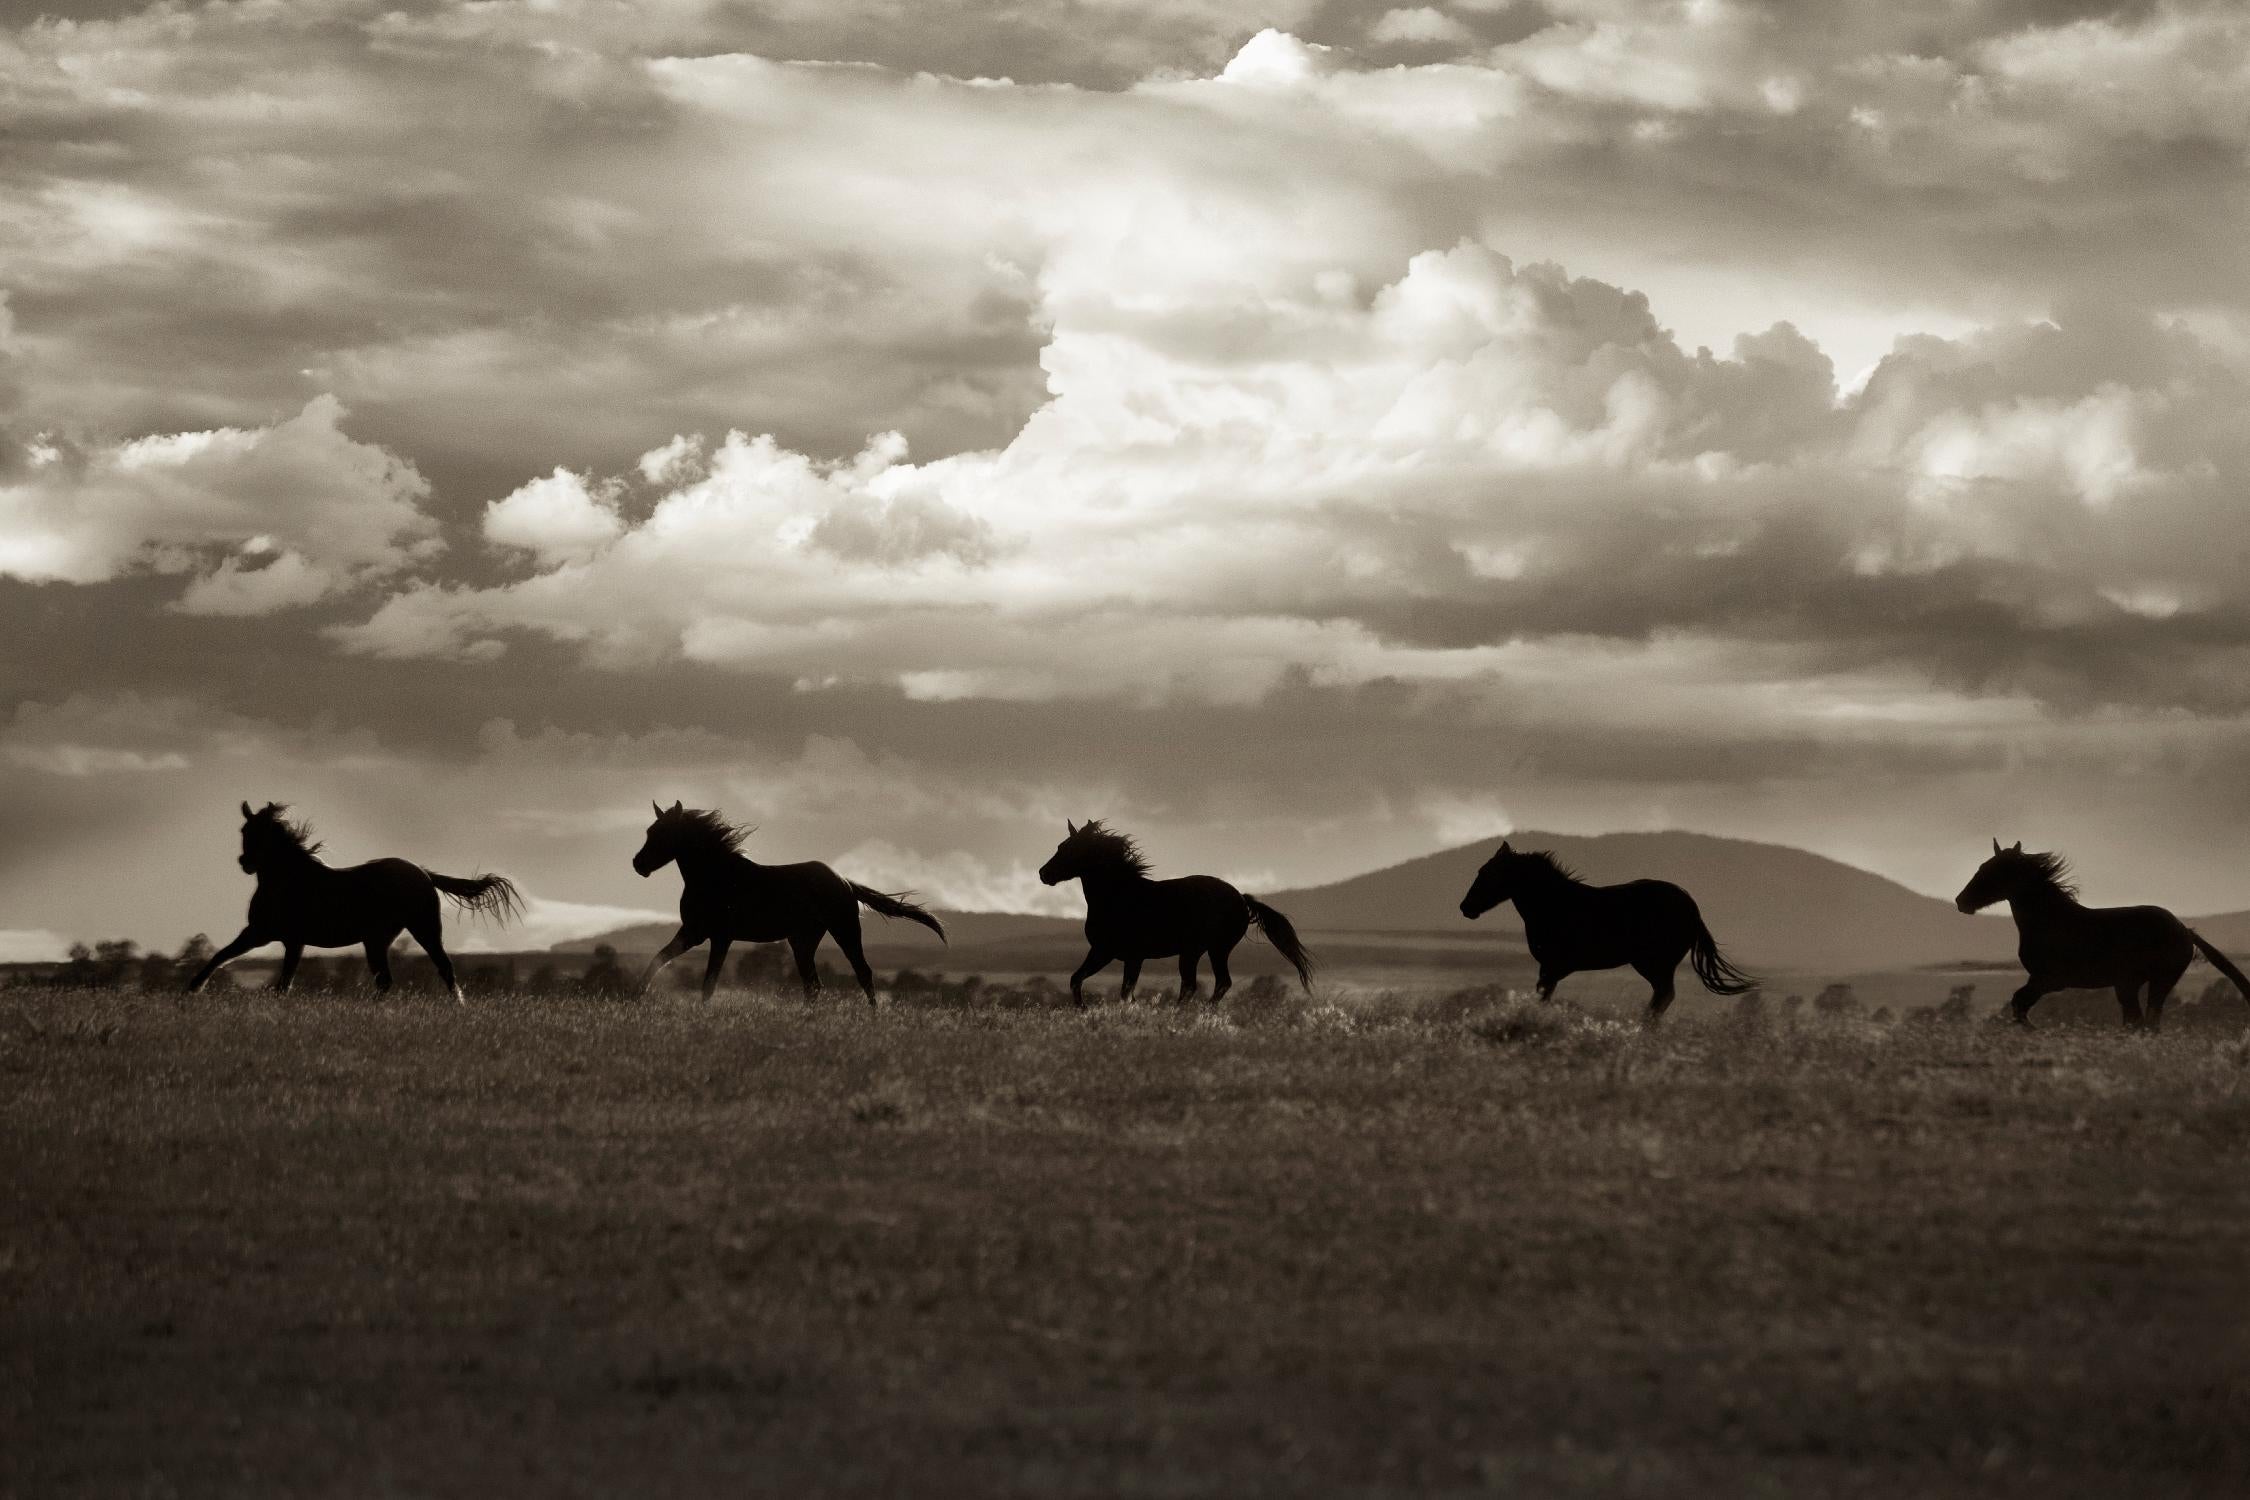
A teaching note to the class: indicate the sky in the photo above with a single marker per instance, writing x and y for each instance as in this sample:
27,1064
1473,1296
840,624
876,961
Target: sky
1304,433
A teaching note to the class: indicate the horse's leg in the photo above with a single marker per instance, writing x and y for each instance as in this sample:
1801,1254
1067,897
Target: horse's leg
681,942
1660,977
1132,977
1188,983
1096,961
845,930
1551,975
379,960
291,953
2019,1005
244,941
429,934
1221,979
717,962
808,971
2160,990
2129,1004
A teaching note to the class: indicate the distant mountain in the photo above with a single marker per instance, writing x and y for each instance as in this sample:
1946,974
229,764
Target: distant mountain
1770,906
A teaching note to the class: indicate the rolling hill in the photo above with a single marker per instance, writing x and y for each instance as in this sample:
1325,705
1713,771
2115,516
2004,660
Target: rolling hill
1769,905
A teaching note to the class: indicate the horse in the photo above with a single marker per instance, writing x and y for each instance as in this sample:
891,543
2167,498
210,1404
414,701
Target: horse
1570,926
727,897
1133,918
303,903
2064,945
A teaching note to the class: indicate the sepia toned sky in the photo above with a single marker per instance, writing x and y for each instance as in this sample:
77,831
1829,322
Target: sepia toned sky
1307,434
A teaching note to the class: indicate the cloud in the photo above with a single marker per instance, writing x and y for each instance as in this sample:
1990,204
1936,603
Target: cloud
959,882
31,946
1702,411
1403,482
545,923
312,511
1419,25
557,519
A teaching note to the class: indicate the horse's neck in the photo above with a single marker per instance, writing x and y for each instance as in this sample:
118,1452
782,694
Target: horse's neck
1109,883
1545,897
2041,907
295,869
699,864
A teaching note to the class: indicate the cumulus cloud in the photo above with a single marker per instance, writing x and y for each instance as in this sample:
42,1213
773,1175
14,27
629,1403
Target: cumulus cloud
556,519
1403,482
263,518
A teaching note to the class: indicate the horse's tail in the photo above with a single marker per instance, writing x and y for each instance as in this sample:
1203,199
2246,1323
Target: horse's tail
895,904
1283,936
1711,966
2220,962
486,895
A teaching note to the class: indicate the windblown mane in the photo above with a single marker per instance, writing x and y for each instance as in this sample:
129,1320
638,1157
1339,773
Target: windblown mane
708,827
1106,845
296,830
1546,860
2050,869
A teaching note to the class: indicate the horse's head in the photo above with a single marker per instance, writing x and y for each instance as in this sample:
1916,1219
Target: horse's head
662,845
1496,884
267,837
1999,877
1069,860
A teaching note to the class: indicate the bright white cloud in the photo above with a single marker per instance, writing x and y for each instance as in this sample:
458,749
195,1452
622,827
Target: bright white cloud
556,518
310,508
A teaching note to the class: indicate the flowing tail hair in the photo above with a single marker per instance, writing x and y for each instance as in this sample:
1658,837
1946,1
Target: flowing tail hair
487,895
895,904
2219,961
1711,966
1283,936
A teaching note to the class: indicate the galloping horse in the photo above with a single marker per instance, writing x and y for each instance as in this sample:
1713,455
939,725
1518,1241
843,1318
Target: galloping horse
1131,917
1572,926
2067,946
726,897
302,903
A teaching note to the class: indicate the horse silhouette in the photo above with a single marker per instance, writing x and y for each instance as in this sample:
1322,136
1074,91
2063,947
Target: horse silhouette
1571,926
303,903
1134,918
2068,946
727,897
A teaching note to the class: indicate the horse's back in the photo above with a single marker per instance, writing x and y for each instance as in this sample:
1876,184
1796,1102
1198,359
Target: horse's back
1190,913
2104,945
1646,899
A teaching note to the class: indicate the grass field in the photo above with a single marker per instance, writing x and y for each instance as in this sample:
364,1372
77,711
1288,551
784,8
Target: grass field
589,1249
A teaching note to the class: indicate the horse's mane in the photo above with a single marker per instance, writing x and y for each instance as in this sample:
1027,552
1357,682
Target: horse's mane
1107,845
710,828
296,830
1546,861
2050,869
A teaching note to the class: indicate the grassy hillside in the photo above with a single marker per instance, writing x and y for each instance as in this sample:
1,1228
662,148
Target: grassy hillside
575,1249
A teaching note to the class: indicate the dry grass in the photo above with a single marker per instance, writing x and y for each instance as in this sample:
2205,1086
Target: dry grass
1382,1247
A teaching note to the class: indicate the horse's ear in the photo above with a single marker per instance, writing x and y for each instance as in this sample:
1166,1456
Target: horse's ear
1504,849
678,806
245,812
1072,827
652,807
2019,847
1996,846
